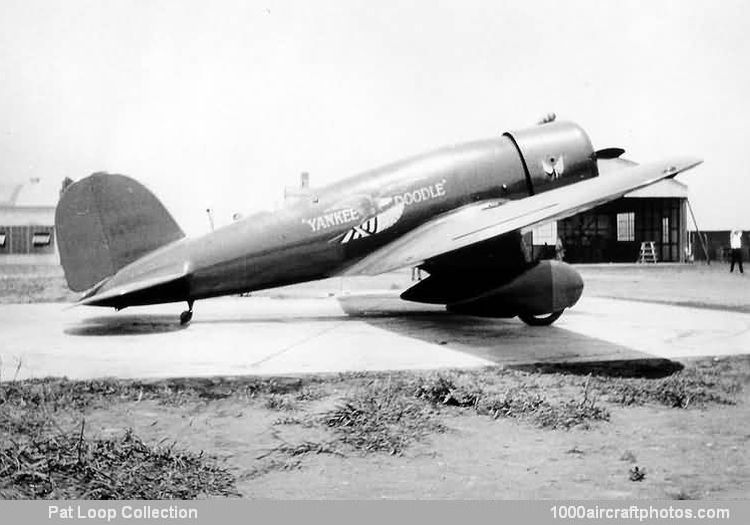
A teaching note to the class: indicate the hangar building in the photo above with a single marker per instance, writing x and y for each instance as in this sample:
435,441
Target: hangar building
614,231
27,218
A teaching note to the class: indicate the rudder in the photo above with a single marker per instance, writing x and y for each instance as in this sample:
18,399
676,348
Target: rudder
104,222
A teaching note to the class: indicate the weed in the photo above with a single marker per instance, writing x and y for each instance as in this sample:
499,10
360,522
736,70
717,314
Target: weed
69,466
682,494
510,398
271,464
305,421
569,414
382,417
446,389
306,447
280,402
684,389
637,474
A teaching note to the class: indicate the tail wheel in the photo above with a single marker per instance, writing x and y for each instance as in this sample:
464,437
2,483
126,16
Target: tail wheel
187,315
540,320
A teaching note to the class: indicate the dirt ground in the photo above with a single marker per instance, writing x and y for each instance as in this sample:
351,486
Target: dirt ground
276,447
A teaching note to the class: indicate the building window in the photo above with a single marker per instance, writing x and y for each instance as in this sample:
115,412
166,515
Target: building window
41,239
665,230
626,226
544,234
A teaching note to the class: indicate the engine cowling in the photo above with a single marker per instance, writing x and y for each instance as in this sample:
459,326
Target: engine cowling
554,154
545,288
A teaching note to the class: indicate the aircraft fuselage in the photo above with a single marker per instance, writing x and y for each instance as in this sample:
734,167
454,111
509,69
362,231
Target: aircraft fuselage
319,235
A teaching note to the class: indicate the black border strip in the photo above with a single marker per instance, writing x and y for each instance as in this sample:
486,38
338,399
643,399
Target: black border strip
529,185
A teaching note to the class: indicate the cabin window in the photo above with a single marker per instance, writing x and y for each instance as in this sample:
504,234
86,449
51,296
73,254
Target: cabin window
2,239
41,239
626,226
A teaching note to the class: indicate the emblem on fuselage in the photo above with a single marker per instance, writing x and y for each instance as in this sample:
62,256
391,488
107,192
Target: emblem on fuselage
553,166
382,221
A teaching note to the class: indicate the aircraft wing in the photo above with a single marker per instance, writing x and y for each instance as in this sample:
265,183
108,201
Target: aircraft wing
485,220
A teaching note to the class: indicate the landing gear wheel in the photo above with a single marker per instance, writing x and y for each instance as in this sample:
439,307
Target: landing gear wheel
187,315
537,320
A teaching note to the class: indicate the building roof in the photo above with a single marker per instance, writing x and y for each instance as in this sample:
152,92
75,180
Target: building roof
27,215
665,188
33,192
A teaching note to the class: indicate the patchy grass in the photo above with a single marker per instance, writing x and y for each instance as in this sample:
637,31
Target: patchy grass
280,402
359,413
700,383
382,416
270,464
306,447
69,466
294,396
511,397
448,389
39,458
304,421
55,393
695,386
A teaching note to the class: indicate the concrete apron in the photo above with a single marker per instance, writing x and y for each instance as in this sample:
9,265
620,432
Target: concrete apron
271,336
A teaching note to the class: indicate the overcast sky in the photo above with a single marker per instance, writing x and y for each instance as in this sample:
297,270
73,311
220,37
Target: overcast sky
222,103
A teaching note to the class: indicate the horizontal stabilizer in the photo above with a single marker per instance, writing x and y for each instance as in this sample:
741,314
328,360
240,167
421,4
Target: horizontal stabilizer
133,292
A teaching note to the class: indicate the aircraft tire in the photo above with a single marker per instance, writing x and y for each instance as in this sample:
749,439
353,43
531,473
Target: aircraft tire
185,317
538,320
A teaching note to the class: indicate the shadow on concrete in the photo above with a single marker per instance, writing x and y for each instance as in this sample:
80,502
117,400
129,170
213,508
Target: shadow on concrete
651,368
508,342
126,325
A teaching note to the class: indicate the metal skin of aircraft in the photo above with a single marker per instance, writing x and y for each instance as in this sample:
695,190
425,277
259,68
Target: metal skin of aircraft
457,213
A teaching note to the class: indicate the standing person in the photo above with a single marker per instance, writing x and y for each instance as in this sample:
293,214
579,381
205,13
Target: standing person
735,243
559,250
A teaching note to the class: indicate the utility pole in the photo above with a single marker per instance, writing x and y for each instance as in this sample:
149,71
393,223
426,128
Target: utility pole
699,233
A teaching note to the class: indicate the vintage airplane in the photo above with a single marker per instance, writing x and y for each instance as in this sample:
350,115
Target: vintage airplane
457,213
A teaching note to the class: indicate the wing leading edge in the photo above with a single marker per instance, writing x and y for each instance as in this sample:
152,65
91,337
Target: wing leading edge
488,219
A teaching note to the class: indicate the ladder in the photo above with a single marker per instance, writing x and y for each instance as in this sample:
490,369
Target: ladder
648,253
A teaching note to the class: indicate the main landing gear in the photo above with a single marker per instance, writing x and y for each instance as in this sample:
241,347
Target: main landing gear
187,315
540,320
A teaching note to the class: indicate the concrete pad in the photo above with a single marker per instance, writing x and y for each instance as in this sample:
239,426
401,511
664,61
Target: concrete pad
659,329
263,335
228,336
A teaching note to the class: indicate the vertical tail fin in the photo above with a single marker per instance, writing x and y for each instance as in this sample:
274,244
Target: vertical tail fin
104,222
